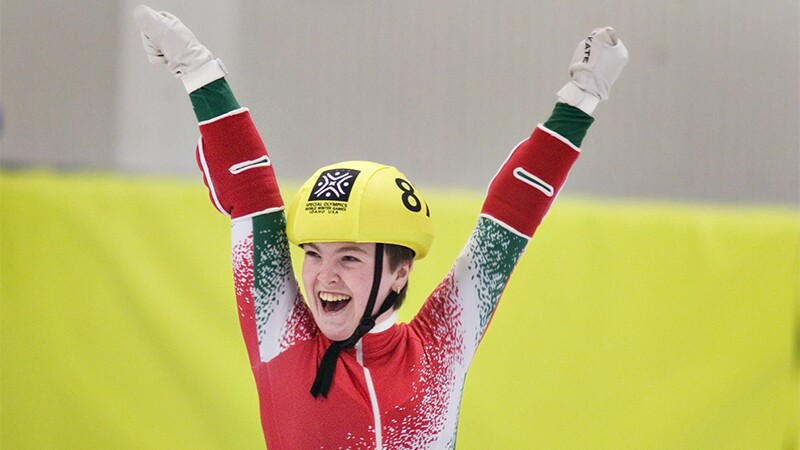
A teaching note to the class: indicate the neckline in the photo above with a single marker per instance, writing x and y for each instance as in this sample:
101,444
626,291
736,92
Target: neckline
384,324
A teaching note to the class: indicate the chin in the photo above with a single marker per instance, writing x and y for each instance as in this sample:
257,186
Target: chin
335,335
334,328
334,332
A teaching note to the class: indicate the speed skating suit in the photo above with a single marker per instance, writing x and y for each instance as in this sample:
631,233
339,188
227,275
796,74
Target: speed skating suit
401,386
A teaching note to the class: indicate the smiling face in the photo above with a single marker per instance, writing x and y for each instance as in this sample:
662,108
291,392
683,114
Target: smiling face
338,279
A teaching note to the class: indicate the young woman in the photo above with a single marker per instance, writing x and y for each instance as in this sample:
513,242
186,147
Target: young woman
335,370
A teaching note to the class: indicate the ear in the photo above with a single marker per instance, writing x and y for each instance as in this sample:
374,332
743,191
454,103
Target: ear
401,274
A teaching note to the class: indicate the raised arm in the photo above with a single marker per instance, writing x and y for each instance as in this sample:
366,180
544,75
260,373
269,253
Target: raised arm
529,181
241,182
519,197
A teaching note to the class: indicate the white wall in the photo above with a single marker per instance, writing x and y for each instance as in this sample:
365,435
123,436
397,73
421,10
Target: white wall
707,110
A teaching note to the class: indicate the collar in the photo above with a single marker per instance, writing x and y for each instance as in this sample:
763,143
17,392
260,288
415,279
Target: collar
385,324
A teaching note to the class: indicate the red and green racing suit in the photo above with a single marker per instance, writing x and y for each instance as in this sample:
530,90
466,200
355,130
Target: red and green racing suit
401,385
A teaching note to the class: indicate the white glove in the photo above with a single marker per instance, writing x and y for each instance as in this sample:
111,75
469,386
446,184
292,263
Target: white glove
166,40
597,62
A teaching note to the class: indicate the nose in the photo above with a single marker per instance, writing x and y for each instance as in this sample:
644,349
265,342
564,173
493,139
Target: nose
328,275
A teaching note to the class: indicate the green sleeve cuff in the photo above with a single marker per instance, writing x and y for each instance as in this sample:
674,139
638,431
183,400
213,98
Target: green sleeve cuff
569,122
213,100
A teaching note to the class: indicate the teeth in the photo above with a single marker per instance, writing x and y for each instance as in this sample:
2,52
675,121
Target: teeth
332,297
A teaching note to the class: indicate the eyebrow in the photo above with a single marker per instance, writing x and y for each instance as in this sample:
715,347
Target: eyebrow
352,248
343,249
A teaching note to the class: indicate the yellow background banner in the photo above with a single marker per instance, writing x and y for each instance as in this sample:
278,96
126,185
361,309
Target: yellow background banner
626,325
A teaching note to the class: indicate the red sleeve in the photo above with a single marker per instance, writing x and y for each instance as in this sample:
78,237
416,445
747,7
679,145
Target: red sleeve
236,167
522,191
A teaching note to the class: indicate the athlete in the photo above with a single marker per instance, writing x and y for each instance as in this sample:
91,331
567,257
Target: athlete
336,370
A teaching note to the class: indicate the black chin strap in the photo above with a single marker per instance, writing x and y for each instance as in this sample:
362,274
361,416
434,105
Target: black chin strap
327,366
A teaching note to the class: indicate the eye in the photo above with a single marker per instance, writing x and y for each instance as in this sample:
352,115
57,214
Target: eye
350,258
311,254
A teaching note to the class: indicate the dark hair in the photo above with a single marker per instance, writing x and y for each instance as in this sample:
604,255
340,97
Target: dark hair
395,256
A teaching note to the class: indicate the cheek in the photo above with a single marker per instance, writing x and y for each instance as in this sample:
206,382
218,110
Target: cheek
386,282
309,275
360,284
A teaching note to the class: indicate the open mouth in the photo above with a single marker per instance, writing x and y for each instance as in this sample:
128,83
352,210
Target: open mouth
332,302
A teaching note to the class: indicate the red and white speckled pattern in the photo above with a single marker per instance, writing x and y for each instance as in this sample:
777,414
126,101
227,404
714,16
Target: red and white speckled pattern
299,327
430,415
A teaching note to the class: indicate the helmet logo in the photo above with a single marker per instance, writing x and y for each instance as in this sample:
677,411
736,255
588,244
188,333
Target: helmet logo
331,191
334,184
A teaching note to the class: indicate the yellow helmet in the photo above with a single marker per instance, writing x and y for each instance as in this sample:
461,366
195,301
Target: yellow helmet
360,201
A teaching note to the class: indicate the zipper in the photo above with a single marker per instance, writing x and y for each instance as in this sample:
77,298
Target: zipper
376,412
